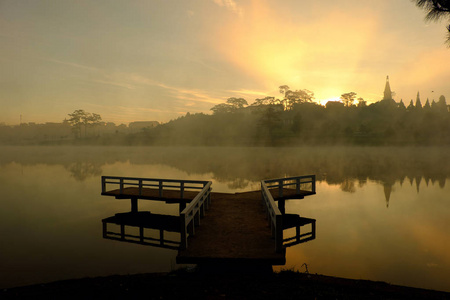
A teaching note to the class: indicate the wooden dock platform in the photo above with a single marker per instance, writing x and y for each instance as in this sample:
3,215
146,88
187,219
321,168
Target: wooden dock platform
235,229
215,228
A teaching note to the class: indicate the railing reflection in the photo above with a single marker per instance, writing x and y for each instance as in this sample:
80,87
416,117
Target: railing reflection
163,231
300,224
144,228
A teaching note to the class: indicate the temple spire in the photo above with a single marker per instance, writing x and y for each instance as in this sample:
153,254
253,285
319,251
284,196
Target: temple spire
387,90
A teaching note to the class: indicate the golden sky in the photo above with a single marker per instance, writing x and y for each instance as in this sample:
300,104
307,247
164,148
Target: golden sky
158,60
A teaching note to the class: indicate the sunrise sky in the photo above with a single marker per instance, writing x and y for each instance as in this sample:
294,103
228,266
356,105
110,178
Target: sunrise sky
158,60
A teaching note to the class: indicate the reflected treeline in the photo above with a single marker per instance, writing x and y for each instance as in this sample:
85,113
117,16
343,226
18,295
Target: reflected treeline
83,170
348,167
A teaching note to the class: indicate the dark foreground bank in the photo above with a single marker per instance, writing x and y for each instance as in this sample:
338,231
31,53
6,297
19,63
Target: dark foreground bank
200,285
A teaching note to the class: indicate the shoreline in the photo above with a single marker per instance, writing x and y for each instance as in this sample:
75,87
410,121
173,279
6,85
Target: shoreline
223,285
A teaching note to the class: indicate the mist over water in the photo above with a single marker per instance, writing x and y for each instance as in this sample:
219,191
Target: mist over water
382,212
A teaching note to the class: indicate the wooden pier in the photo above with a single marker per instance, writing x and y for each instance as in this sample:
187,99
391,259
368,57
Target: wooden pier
214,227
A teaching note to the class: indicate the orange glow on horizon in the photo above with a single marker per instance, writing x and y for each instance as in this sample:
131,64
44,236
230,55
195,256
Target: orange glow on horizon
302,55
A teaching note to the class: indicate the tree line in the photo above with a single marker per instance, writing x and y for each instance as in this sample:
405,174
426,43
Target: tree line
295,119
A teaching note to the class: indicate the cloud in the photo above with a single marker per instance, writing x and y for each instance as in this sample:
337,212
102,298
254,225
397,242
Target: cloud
74,65
274,48
179,93
251,95
116,84
231,5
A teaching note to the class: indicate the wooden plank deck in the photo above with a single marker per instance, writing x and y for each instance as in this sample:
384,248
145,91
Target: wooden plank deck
235,229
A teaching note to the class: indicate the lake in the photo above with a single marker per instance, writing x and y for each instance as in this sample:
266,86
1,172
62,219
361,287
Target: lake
382,212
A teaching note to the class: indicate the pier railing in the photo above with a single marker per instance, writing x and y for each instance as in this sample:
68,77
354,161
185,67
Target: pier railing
274,217
194,211
301,184
161,184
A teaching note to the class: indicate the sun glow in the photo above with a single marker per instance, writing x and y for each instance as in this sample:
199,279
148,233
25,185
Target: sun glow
325,101
303,55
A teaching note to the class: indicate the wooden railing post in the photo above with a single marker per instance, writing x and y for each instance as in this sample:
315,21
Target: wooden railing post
313,229
121,185
134,204
183,232
280,188
103,184
105,229
182,190
122,231
274,215
191,215
313,183
279,233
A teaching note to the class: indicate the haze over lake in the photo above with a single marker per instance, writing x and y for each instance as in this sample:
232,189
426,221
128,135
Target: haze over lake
382,212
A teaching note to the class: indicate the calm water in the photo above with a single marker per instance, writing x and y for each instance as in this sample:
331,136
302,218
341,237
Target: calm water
382,213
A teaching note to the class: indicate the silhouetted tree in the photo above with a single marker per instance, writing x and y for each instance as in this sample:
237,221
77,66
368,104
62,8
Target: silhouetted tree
348,98
361,102
265,101
232,105
222,108
436,10
93,120
80,118
295,97
76,120
442,104
427,105
237,102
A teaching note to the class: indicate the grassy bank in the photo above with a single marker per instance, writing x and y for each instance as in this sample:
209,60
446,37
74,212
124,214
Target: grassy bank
199,285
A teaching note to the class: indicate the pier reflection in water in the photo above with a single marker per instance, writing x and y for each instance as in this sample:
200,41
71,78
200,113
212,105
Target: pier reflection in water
296,222
144,228
382,212
163,231
234,230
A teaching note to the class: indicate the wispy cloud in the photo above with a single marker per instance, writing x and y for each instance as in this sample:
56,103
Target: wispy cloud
250,93
117,84
231,5
102,77
178,92
74,65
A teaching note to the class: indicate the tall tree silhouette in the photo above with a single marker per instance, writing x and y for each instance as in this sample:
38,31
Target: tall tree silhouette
436,10
348,98
81,118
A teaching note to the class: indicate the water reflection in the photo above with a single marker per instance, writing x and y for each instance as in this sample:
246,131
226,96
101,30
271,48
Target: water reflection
143,228
162,230
239,167
44,203
296,222
83,170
